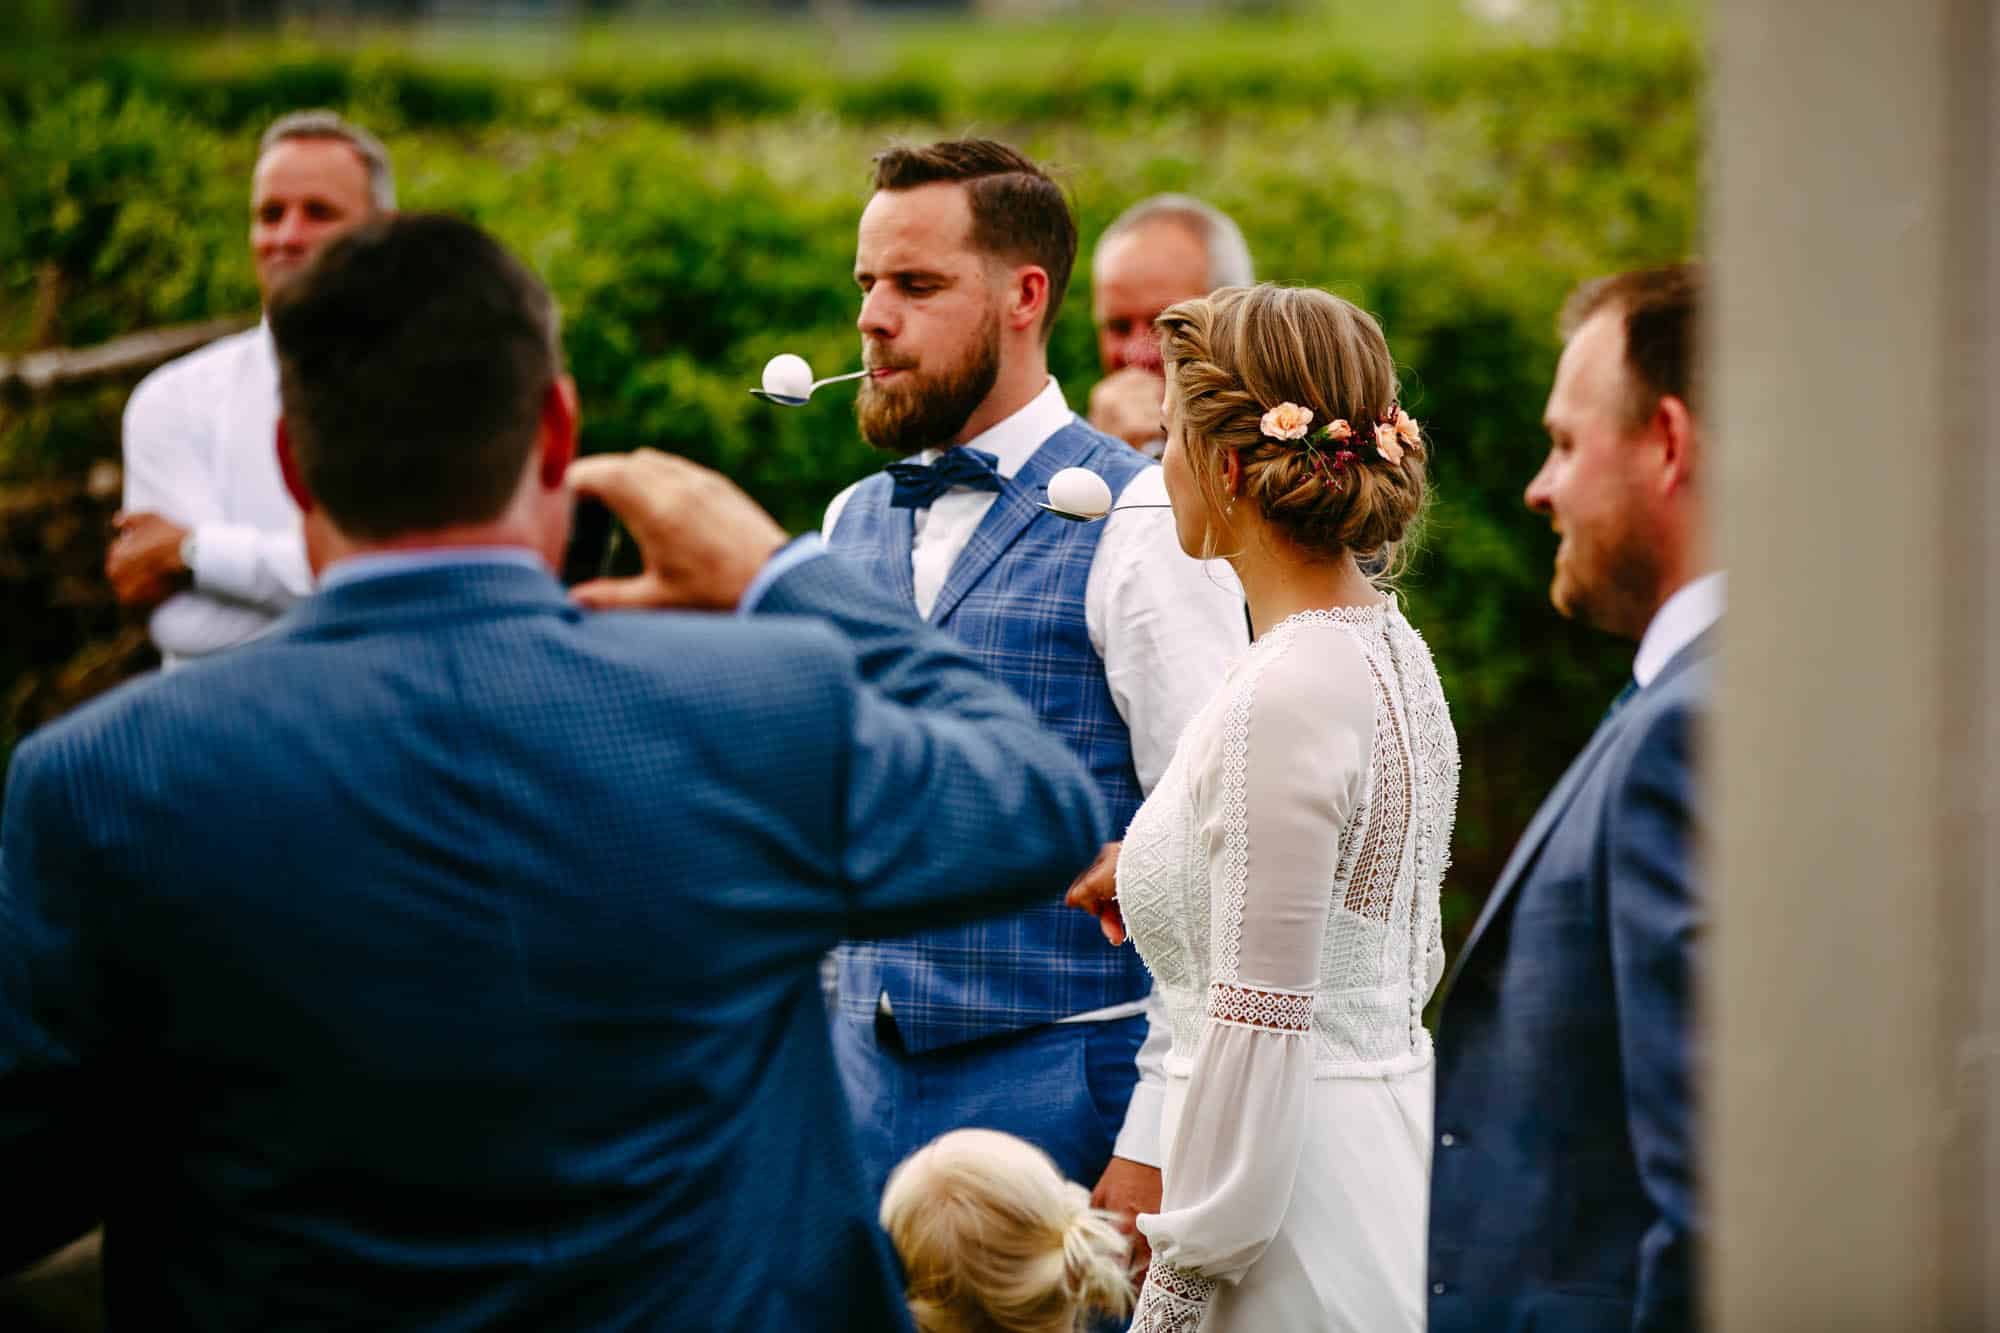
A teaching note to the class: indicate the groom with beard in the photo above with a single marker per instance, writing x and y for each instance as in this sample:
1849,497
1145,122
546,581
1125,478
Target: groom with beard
1026,1023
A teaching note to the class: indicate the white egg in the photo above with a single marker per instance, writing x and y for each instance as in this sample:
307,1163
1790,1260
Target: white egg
1078,490
788,376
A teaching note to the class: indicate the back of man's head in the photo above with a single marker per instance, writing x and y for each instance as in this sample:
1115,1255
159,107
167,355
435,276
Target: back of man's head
414,356
1019,214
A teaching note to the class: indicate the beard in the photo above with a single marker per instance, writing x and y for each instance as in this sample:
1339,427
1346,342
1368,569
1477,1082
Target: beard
1614,587
927,414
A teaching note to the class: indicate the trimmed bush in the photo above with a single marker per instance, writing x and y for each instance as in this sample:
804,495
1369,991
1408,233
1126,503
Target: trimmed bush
694,220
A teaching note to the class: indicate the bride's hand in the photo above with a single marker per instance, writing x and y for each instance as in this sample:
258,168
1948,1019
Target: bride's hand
1096,892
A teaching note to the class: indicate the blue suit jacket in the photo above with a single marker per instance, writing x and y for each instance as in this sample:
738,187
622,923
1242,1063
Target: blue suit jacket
1562,1192
447,959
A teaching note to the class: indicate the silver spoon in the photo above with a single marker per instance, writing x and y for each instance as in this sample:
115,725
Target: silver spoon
1096,518
788,400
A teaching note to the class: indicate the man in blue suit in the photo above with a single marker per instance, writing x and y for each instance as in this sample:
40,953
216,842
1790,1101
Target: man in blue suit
446,959
1562,1182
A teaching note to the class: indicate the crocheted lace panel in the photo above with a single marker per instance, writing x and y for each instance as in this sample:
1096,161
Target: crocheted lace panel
1381,954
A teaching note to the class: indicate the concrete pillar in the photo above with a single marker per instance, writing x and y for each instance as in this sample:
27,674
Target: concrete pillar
1853,994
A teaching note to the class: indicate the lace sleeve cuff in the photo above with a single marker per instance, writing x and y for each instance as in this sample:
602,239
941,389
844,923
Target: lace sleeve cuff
1281,1011
1174,1300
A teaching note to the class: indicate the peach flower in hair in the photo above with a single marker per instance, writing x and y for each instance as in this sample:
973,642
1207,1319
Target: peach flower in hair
1286,421
1340,430
1407,432
1386,443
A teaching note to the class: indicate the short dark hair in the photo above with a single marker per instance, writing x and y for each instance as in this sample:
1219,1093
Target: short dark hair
1018,213
414,355
1662,308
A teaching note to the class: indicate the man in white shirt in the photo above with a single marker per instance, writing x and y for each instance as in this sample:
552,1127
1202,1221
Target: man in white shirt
208,541
1163,249
1027,1023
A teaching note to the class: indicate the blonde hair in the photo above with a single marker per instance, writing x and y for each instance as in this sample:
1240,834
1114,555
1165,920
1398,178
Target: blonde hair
1236,353
995,1240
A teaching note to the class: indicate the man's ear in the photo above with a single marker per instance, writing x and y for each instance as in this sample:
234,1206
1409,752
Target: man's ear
1027,296
288,467
1679,444
557,438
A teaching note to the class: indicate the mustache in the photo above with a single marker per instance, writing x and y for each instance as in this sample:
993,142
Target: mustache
883,361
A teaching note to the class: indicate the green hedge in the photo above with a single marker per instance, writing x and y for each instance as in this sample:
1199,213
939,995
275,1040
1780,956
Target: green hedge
695,218
1416,54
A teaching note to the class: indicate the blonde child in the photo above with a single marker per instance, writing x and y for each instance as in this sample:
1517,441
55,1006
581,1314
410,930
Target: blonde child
994,1240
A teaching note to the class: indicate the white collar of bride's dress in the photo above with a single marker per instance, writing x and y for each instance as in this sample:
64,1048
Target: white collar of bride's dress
1333,615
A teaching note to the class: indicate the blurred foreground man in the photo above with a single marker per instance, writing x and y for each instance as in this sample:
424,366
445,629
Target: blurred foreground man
446,958
1563,1176
208,541
1164,249
1027,1024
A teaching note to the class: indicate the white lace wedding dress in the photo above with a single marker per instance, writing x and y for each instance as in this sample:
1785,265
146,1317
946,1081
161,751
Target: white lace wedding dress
1282,884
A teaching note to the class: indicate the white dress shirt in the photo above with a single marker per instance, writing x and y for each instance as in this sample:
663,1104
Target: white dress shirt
1681,619
1165,624
201,449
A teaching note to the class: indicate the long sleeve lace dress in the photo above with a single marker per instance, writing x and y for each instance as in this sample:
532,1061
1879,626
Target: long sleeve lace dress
1282,884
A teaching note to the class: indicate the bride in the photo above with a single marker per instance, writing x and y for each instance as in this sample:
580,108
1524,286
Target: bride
1282,880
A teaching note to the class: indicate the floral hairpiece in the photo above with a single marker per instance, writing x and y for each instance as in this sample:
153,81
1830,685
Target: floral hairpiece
1391,434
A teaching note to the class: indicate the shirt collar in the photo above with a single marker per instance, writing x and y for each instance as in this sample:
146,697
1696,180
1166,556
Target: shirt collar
381,564
1015,440
266,348
1681,619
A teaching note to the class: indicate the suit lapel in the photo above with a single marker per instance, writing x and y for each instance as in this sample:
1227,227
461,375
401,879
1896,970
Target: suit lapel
1536,834
1702,646
1559,801
877,536
1018,505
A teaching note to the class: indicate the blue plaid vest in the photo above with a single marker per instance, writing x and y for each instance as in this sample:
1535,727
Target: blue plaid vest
1015,598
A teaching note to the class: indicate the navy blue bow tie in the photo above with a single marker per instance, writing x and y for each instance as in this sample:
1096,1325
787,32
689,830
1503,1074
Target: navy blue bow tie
918,486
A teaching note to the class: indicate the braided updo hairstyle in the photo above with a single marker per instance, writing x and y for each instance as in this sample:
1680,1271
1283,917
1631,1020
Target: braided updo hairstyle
1240,351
